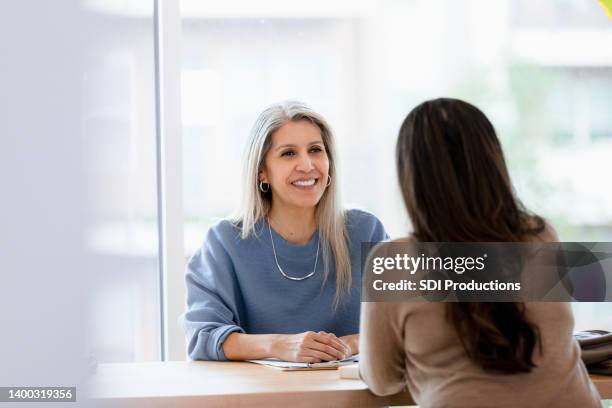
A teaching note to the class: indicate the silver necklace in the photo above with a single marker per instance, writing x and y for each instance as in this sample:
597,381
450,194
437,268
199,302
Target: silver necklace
281,269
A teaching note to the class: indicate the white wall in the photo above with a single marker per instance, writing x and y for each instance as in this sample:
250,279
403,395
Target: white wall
42,293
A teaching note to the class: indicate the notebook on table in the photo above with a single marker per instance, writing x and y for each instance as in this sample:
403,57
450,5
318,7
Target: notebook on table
291,366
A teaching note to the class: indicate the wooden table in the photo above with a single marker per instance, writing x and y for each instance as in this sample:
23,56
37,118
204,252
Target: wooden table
229,384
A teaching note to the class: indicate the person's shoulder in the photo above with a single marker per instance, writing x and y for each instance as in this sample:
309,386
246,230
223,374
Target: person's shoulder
215,240
358,217
224,231
404,240
365,225
391,247
548,232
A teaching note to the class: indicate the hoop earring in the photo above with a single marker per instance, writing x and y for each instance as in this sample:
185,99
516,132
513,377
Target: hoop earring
261,187
328,180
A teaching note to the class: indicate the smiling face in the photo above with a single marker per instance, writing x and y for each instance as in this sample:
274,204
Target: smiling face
296,166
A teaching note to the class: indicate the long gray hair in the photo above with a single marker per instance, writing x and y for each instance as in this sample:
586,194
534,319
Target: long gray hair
328,214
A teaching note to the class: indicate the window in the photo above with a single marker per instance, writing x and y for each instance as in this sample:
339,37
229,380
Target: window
120,142
365,64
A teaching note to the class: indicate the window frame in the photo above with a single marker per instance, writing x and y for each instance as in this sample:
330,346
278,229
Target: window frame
167,34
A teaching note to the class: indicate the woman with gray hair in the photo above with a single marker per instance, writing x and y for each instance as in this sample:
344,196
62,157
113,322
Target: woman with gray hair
283,278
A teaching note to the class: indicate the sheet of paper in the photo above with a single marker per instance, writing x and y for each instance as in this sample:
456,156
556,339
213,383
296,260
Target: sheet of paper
288,365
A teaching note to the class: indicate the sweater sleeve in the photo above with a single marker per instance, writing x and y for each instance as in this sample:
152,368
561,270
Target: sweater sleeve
381,348
212,300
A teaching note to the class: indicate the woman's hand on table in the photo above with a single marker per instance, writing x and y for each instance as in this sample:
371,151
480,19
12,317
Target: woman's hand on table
309,347
352,341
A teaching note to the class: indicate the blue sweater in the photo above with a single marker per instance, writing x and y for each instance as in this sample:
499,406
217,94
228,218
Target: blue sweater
234,285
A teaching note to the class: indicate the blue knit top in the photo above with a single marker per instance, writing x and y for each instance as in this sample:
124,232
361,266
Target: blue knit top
234,284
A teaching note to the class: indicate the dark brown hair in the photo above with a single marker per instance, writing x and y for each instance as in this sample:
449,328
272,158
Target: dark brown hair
456,188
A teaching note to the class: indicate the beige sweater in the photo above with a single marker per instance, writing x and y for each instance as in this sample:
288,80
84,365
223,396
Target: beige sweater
411,344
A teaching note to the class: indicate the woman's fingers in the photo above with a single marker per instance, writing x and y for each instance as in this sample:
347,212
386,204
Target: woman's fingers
316,347
344,347
310,344
317,355
342,351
